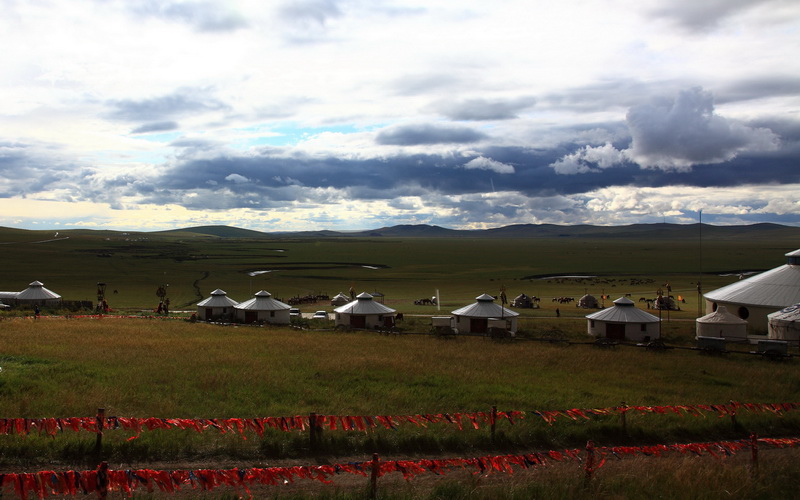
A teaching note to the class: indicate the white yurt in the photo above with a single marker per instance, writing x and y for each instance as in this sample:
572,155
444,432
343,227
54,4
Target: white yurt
37,294
588,302
475,318
624,321
217,306
759,295
364,312
785,324
721,323
340,299
263,308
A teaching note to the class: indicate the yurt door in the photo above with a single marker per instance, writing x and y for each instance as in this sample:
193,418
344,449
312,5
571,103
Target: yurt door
358,321
209,313
615,331
478,325
250,316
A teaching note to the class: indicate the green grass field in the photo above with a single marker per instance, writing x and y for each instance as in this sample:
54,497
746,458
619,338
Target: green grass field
171,368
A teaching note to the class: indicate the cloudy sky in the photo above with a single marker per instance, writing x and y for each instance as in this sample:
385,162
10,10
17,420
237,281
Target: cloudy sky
356,114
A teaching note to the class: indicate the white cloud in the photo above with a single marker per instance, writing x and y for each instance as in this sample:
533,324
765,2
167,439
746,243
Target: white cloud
482,163
589,159
237,179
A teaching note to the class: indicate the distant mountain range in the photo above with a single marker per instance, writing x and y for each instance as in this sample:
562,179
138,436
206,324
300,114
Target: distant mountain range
644,231
648,231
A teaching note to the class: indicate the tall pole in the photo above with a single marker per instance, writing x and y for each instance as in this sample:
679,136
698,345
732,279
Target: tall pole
700,277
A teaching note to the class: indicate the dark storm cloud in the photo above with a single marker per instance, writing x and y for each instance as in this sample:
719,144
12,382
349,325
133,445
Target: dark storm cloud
413,135
484,109
27,169
179,103
685,131
201,15
264,181
155,127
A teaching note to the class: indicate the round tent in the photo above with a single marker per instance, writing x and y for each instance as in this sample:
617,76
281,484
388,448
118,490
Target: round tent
721,323
263,308
588,302
785,324
756,297
340,299
522,301
624,322
37,294
217,306
364,312
476,318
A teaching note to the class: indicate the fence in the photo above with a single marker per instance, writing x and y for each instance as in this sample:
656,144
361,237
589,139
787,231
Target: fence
104,480
315,423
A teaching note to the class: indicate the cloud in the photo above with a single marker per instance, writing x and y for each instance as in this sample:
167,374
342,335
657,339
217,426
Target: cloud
237,179
484,109
147,128
180,103
682,132
674,134
305,12
482,163
708,14
201,15
413,135
589,159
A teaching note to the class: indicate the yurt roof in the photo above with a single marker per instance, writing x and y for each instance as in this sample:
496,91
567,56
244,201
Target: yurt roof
364,305
263,301
37,291
778,287
219,298
624,311
722,317
789,314
340,296
484,307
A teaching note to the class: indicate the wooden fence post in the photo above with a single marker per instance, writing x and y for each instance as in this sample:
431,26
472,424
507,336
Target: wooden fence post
312,431
373,479
589,467
493,422
101,424
623,409
754,455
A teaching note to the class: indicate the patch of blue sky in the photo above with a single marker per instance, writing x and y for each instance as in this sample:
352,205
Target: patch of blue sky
165,137
286,134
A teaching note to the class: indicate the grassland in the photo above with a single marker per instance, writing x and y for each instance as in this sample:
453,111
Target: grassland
57,367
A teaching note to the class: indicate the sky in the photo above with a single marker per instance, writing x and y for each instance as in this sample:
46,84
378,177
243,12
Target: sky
360,114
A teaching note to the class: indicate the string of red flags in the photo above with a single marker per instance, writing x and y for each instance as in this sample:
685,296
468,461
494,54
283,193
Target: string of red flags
474,420
104,480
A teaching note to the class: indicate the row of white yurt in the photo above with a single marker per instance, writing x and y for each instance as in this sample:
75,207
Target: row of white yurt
364,312
261,308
